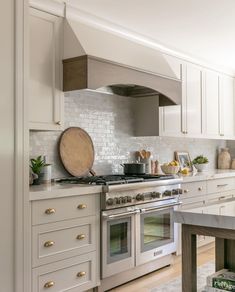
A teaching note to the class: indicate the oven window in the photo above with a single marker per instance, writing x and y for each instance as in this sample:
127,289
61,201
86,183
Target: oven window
119,240
156,229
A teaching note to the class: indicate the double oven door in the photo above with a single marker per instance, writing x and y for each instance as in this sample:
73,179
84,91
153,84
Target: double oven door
135,235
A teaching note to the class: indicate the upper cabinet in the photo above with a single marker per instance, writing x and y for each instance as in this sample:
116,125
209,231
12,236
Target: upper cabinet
207,108
212,105
45,75
191,100
226,96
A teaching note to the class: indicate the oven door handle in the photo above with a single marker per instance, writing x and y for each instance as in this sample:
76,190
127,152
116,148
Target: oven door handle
159,208
124,214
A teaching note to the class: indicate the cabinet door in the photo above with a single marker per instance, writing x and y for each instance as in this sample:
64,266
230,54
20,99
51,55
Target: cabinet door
170,121
192,100
212,104
226,86
45,95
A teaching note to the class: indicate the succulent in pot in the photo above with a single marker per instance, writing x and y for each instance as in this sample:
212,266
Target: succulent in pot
36,165
200,163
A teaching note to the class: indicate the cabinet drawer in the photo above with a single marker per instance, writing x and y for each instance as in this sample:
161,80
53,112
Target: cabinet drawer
60,240
193,189
74,275
52,210
220,185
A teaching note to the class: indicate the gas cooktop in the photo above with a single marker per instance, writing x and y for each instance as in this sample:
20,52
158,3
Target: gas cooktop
114,179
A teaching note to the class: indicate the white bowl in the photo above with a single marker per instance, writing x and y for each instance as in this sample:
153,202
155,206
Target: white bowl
170,169
201,167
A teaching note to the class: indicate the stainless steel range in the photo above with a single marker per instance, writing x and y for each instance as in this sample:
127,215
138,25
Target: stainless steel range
138,234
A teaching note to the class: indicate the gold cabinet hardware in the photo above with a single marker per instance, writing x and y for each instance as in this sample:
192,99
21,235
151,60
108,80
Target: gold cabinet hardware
200,188
81,274
222,198
81,236
58,123
50,211
49,243
49,284
82,206
186,191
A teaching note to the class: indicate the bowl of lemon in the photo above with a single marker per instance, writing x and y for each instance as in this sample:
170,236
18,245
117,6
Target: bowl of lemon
172,167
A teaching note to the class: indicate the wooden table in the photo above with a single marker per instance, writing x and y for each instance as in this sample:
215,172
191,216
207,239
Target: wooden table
224,252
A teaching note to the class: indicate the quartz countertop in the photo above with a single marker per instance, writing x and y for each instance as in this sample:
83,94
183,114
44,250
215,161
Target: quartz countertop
58,190
207,175
211,217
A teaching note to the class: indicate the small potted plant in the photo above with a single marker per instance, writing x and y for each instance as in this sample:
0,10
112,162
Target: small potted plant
200,163
36,166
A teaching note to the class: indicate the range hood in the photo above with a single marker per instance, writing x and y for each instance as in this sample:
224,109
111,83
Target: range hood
100,59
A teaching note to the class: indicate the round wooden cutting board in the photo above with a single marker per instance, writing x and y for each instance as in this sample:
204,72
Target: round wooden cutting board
76,151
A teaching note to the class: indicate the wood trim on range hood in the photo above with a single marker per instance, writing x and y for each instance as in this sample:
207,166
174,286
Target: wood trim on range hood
88,72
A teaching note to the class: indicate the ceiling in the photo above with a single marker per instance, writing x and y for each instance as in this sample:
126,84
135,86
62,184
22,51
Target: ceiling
203,29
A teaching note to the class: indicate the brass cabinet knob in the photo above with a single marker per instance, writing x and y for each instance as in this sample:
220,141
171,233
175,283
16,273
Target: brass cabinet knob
82,206
186,191
50,211
49,243
58,123
81,274
49,284
200,188
81,236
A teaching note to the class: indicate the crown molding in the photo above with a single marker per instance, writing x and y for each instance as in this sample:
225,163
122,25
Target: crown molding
56,7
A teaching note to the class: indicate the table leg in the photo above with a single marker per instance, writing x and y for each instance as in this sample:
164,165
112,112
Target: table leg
189,260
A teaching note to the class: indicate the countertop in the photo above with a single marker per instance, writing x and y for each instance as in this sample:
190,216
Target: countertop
211,218
207,175
57,191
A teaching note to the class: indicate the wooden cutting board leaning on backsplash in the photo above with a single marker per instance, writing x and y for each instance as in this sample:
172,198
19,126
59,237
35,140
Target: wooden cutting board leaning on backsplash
76,151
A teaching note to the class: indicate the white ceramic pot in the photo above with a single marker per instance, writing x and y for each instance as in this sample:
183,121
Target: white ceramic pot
201,167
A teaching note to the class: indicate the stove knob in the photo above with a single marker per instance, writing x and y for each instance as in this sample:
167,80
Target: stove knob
110,202
129,199
155,195
140,197
118,201
124,200
175,192
167,193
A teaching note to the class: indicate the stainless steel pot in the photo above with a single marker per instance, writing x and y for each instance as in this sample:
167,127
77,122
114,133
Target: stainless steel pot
133,168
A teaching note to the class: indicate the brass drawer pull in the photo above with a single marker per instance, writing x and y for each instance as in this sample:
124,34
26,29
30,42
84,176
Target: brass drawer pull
50,211
81,274
186,191
223,185
58,123
49,284
82,206
49,243
81,236
222,198
200,188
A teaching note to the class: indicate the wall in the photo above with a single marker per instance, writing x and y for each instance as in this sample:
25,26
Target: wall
109,121
7,145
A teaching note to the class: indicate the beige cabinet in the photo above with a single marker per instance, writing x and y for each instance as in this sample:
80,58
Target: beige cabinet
65,243
226,95
45,99
170,121
192,100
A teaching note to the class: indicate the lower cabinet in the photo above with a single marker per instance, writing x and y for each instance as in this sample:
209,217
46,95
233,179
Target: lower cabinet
208,197
65,244
73,274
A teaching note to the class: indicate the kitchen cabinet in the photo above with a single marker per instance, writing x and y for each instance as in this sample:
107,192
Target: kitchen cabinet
212,113
192,100
226,95
45,100
170,121
65,243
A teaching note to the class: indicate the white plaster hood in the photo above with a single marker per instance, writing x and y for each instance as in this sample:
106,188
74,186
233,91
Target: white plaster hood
152,68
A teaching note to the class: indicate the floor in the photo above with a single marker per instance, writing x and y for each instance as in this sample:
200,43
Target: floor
152,280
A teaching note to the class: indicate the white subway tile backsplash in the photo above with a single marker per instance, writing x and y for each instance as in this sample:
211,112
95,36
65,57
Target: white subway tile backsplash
109,121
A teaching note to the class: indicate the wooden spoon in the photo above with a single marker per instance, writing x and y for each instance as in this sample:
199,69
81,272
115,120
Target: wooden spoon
143,153
148,154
